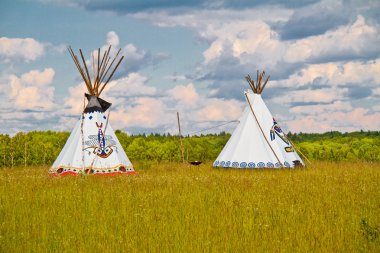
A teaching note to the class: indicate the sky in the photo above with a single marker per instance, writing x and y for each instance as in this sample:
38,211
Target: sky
191,57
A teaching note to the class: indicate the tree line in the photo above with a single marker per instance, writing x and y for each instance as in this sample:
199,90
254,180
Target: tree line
43,147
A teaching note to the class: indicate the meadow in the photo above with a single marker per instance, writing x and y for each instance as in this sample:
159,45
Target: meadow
172,207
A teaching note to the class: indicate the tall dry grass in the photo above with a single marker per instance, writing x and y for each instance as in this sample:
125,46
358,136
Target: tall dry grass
332,207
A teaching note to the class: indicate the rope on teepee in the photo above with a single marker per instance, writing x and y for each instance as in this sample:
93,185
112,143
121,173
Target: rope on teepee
108,116
82,134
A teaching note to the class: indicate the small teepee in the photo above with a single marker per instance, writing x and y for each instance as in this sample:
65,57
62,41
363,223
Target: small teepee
93,147
258,141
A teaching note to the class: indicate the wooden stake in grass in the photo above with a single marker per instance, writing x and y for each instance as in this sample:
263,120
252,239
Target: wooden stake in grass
180,138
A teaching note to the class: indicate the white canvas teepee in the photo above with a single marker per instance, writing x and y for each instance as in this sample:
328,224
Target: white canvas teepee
93,147
258,141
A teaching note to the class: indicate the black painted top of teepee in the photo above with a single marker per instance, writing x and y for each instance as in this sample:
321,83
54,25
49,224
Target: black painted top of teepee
96,104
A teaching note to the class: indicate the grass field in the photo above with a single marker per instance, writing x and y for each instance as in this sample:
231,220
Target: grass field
332,207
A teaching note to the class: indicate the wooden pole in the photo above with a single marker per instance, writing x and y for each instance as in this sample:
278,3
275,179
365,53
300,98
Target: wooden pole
265,83
103,75
251,83
100,67
76,61
180,139
110,76
104,64
85,67
93,70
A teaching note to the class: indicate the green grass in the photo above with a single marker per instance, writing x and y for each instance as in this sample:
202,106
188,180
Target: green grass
333,207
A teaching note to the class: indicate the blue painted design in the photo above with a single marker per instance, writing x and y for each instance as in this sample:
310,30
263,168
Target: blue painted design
278,165
90,117
216,163
260,165
286,164
251,165
235,165
104,117
270,165
228,163
222,163
243,165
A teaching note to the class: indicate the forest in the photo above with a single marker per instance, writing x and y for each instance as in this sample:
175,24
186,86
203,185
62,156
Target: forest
42,147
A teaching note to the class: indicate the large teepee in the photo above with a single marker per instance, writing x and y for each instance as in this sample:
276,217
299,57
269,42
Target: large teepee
258,141
93,147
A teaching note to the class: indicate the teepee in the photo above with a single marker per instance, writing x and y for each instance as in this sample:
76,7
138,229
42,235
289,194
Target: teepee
258,141
93,147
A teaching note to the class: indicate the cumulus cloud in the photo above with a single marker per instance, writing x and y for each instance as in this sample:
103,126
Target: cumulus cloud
241,42
33,90
334,74
319,96
325,15
185,94
27,101
74,102
310,74
26,49
144,112
316,19
132,85
113,39
356,41
353,120
134,58
219,110
323,61
137,105
18,49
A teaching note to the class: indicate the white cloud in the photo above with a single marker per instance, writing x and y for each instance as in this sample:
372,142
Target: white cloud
334,73
201,18
132,85
185,94
254,38
113,39
27,49
33,90
358,118
73,104
376,91
358,39
219,110
311,96
27,101
318,70
321,109
134,58
138,105
144,112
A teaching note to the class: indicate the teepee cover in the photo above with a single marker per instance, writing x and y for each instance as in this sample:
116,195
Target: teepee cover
257,141
93,147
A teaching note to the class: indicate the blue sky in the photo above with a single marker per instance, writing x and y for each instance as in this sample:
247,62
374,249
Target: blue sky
191,56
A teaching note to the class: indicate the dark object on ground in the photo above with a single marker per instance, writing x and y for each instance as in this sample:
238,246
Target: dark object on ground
195,162
297,163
